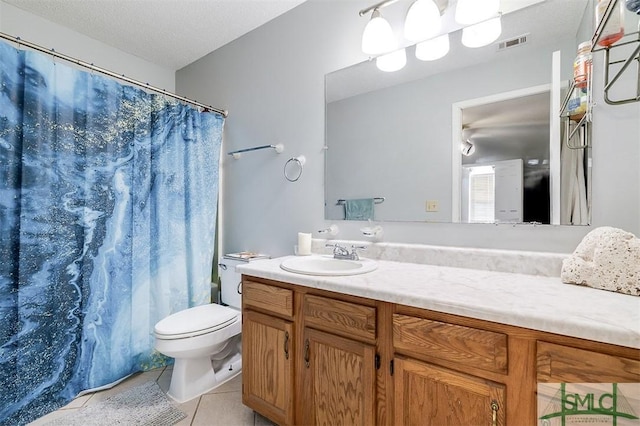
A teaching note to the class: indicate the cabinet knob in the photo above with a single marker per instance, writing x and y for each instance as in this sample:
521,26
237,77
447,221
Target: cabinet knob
306,353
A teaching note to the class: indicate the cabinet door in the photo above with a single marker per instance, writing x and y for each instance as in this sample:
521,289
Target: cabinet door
428,395
339,380
267,358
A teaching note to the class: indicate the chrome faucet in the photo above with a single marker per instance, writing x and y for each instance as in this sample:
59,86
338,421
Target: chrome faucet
340,252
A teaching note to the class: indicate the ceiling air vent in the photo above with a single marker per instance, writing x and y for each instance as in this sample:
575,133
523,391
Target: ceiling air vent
513,42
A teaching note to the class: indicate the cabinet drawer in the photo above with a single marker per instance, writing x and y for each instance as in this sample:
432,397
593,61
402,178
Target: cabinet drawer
346,318
466,346
557,364
267,297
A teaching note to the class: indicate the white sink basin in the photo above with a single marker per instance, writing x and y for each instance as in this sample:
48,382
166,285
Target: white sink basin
327,265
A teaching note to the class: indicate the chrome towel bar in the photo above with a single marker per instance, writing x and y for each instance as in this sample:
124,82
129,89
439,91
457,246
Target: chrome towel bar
376,200
236,154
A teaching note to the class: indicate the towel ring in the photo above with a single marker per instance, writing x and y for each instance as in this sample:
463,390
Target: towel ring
293,168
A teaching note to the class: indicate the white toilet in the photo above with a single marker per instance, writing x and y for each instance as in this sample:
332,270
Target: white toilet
205,341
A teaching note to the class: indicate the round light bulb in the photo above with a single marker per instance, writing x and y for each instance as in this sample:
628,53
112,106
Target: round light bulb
433,49
393,61
422,21
482,34
377,37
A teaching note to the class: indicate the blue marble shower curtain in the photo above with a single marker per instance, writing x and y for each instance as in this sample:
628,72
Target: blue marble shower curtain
108,199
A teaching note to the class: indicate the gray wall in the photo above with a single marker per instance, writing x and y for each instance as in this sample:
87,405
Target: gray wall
616,148
272,82
18,23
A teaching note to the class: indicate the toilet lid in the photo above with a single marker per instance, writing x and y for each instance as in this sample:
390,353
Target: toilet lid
195,321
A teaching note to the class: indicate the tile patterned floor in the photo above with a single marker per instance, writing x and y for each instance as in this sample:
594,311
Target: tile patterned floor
222,406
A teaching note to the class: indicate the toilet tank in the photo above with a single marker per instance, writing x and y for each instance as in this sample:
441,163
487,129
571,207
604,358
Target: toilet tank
231,280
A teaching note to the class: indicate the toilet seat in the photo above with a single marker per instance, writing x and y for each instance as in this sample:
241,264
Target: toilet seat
195,321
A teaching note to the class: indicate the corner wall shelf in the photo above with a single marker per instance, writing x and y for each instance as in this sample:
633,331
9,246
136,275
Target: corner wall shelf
582,120
628,39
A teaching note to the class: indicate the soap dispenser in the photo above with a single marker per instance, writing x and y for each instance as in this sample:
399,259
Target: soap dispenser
372,232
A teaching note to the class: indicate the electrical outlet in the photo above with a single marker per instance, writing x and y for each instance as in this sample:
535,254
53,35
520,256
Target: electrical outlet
432,205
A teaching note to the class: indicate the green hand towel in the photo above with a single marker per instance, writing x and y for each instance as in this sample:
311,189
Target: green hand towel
360,209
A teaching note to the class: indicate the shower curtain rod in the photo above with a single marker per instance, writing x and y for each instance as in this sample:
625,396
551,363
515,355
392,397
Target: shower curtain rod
112,74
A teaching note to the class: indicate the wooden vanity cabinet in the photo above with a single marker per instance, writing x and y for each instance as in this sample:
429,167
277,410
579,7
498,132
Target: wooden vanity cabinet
432,381
456,370
268,350
350,360
308,358
339,373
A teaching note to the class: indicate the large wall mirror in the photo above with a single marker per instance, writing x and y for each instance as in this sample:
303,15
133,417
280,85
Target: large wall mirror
398,137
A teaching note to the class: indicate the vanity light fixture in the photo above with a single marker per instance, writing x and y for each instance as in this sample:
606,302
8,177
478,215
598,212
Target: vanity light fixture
423,21
430,50
481,18
377,37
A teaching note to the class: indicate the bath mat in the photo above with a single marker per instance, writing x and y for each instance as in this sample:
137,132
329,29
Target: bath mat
145,404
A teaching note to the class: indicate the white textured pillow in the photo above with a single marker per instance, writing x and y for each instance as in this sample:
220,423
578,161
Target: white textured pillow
607,258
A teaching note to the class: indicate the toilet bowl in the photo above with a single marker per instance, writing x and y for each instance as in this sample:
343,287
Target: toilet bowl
205,341
206,345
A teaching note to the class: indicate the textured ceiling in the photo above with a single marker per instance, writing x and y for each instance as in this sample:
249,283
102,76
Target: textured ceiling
171,33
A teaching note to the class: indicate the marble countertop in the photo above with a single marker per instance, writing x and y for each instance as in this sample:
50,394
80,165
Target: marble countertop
529,301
